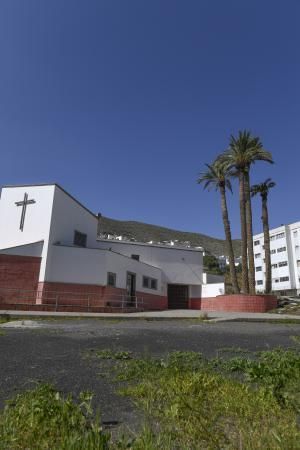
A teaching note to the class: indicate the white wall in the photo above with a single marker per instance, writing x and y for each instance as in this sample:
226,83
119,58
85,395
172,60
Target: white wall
291,255
90,266
181,266
37,220
213,289
68,216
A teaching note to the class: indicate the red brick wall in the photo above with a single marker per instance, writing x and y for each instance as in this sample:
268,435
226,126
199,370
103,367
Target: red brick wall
93,296
18,278
236,303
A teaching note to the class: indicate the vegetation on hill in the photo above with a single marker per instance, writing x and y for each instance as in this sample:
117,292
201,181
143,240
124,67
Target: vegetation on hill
144,232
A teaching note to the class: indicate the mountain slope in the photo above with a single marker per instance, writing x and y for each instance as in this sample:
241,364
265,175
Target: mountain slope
144,232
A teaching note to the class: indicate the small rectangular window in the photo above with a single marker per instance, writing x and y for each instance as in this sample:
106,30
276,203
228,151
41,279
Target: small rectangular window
295,233
284,279
281,249
258,255
256,242
111,279
272,238
149,283
282,264
273,251
136,257
153,283
274,266
259,282
258,269
146,282
79,239
280,235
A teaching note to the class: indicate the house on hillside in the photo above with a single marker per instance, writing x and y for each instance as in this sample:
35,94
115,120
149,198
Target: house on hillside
50,254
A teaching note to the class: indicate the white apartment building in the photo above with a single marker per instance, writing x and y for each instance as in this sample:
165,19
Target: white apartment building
285,259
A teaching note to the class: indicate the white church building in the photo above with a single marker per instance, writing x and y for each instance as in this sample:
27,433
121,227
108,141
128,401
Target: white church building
50,253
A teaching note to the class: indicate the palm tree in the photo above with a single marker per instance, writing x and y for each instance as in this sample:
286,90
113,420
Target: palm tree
263,190
244,151
217,176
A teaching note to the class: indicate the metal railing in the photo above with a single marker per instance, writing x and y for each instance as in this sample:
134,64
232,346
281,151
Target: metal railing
56,300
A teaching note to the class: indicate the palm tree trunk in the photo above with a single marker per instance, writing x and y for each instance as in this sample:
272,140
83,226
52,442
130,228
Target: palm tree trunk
251,274
227,230
265,221
245,282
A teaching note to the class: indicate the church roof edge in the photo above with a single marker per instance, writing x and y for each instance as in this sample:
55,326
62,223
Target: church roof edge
56,185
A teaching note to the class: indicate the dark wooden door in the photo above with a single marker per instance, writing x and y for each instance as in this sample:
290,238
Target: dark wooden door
178,296
130,288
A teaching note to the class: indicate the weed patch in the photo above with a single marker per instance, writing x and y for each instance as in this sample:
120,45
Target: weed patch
43,419
110,354
198,404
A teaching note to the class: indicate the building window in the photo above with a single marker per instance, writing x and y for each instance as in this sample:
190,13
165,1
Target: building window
272,238
274,266
281,249
273,251
258,269
258,255
259,282
149,283
284,279
276,280
282,264
295,233
280,236
79,239
111,279
136,257
256,242
153,283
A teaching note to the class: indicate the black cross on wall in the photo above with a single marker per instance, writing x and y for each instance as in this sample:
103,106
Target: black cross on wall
24,204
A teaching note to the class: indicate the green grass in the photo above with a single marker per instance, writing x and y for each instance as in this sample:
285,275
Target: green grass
4,318
231,404
189,403
43,419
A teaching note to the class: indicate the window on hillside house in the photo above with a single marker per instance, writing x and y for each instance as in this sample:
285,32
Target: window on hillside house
256,242
111,279
258,269
79,239
258,255
136,257
259,282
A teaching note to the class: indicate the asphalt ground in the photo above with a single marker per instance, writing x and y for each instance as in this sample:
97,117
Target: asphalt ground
61,352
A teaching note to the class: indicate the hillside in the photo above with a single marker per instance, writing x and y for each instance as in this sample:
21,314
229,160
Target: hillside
144,232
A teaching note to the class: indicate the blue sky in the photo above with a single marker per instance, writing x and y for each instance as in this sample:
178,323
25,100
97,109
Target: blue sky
123,102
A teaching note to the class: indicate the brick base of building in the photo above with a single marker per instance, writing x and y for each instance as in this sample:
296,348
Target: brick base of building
235,303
